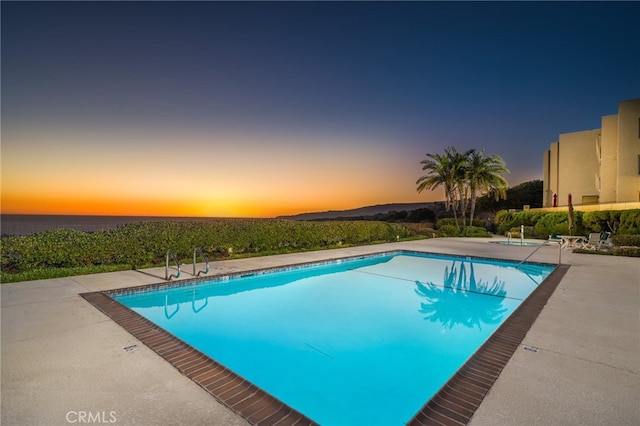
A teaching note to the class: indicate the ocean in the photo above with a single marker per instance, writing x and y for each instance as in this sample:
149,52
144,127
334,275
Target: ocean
22,224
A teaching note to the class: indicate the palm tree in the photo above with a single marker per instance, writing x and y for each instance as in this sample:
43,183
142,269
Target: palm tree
440,172
460,164
485,174
464,176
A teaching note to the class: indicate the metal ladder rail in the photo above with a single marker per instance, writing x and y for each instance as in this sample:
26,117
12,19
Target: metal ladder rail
166,266
206,262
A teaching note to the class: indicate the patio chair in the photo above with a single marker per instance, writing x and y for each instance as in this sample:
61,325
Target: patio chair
592,242
605,241
555,238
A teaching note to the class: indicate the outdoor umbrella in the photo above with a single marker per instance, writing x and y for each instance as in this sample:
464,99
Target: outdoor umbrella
571,222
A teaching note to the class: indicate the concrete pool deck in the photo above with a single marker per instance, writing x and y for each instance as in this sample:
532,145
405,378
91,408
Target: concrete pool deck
64,362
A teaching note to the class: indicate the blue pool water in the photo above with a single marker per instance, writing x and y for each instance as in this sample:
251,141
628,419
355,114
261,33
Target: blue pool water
365,341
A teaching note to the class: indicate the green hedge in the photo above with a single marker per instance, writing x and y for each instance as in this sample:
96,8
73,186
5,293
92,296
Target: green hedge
629,222
146,243
507,220
539,224
449,221
529,232
627,251
625,222
448,230
558,223
626,240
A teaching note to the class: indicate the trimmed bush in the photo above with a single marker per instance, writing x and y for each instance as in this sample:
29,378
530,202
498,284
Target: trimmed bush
506,221
555,223
451,221
448,231
626,240
419,229
146,243
598,221
529,232
475,231
630,222
627,251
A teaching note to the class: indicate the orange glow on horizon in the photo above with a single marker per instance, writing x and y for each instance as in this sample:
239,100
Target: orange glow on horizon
105,207
113,206
237,176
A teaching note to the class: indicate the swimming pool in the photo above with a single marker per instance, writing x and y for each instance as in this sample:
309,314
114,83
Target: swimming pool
356,341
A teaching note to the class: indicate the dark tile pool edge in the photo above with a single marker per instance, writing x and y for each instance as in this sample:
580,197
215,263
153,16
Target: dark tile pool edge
458,399
454,404
242,397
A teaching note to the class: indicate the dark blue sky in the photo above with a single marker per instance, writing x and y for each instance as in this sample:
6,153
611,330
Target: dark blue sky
382,83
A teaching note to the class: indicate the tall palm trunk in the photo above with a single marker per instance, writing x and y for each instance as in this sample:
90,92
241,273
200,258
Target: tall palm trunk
463,204
473,197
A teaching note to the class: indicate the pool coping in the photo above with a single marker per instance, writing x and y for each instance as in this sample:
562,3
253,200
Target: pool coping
454,404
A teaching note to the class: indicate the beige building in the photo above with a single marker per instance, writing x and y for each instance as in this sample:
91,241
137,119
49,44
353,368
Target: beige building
599,166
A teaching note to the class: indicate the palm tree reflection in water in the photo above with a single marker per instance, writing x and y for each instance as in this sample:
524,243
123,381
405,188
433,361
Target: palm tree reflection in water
455,302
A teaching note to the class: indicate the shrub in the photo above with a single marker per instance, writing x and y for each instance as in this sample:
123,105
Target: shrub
630,222
504,220
627,251
626,240
558,223
452,221
146,243
503,216
598,221
550,223
475,231
478,223
419,229
448,231
447,221
529,232
527,218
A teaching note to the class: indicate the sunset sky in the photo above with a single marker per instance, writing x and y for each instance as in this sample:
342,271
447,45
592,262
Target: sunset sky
262,109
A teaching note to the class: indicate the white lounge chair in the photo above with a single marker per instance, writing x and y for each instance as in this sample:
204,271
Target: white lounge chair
592,242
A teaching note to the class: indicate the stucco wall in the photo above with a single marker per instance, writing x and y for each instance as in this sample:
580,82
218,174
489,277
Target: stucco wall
602,164
553,171
629,151
578,165
609,159
547,197
592,207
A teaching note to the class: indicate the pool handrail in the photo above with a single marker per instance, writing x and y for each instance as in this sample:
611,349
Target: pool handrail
206,262
166,266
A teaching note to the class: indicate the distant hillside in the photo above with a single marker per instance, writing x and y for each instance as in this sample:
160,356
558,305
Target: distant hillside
365,211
